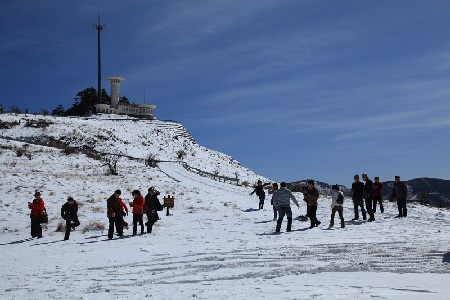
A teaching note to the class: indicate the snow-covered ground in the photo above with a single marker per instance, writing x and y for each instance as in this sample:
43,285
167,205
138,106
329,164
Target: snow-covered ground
215,244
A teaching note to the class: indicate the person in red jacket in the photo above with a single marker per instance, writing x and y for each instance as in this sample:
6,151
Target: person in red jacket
124,212
138,206
37,209
377,195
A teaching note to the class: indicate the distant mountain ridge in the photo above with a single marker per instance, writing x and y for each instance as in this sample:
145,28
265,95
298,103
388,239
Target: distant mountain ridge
430,191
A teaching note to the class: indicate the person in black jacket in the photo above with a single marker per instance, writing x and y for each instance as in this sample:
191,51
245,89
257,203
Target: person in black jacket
114,213
358,190
400,194
69,213
368,196
153,206
259,190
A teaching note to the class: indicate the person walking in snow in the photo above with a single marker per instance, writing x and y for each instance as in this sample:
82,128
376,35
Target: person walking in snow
37,209
377,195
368,196
337,202
69,212
357,197
152,205
138,206
273,191
311,197
400,193
259,190
282,200
114,214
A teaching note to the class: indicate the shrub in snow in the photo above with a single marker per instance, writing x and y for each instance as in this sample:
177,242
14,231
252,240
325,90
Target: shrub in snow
93,226
61,227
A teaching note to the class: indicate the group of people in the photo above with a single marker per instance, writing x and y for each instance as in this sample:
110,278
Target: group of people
370,194
116,211
366,196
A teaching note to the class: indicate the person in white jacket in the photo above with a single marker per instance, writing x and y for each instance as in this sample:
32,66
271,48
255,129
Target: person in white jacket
337,201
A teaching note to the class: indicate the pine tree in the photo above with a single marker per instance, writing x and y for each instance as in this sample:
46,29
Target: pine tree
85,101
59,111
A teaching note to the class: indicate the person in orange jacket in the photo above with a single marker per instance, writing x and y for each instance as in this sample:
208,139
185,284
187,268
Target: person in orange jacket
37,209
138,206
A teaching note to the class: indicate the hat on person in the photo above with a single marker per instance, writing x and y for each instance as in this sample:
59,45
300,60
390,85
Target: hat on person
335,187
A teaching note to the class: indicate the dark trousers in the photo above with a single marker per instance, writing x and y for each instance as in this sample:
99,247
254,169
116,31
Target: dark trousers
369,208
71,222
340,211
282,211
275,210
118,222
312,214
356,205
377,199
137,218
261,201
152,218
36,228
401,204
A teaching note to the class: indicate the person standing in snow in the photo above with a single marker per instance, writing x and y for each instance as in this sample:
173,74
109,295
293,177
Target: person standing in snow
337,202
368,196
114,214
37,209
400,193
138,206
377,195
358,190
69,212
273,191
152,205
311,198
124,212
259,190
282,200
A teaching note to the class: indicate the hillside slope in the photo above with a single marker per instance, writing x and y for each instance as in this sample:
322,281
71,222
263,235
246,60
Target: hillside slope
124,136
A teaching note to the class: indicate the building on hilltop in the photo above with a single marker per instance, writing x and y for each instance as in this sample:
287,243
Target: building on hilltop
124,108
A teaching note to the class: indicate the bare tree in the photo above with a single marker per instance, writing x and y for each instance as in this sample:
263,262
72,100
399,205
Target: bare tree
110,161
216,173
151,161
181,154
15,109
236,174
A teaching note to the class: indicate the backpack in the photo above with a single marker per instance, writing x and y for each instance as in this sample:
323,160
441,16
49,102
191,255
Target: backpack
340,199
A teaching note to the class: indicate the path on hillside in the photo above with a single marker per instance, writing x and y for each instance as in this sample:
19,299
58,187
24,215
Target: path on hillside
177,172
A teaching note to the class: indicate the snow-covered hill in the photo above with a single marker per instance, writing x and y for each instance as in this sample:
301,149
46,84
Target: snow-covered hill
124,136
215,244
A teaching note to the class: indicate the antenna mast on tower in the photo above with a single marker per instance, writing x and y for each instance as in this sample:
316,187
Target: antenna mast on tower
99,28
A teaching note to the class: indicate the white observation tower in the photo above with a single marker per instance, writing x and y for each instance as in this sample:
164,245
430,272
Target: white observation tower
115,88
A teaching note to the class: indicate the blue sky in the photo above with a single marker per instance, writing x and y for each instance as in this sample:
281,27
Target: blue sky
291,89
